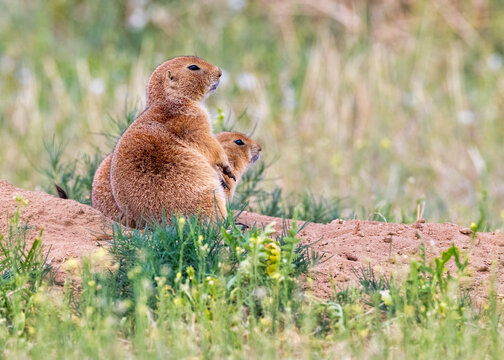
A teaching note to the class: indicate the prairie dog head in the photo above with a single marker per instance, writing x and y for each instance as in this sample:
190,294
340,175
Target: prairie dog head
188,76
241,151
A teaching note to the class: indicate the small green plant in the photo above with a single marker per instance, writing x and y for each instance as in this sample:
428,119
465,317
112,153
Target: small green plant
429,289
22,269
119,126
165,251
369,281
482,224
75,177
307,206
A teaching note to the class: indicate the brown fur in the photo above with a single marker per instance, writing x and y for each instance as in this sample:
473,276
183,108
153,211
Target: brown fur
101,194
168,157
240,158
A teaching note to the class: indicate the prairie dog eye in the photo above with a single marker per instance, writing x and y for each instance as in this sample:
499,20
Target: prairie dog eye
193,67
239,142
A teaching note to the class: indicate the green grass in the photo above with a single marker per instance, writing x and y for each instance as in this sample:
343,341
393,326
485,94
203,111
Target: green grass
195,290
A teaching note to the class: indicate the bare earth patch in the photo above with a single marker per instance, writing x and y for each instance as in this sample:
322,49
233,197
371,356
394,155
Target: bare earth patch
72,230
388,248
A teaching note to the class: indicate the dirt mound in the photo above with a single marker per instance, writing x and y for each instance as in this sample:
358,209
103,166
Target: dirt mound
74,230
348,245
70,229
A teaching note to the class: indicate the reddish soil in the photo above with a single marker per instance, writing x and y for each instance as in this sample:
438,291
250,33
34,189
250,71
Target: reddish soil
349,245
72,230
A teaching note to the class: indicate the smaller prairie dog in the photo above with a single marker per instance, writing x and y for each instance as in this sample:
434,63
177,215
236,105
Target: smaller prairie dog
242,152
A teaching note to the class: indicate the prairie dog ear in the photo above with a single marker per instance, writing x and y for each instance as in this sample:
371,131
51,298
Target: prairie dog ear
169,75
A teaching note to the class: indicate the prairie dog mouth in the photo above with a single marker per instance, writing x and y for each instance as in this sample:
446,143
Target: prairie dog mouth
254,158
213,87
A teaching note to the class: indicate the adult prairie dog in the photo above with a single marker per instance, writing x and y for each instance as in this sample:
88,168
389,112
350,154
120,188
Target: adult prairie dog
241,151
168,157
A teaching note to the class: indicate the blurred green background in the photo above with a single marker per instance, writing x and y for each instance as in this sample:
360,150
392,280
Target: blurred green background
379,103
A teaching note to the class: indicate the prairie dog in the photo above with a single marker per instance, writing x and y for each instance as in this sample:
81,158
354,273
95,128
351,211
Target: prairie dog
242,152
168,157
